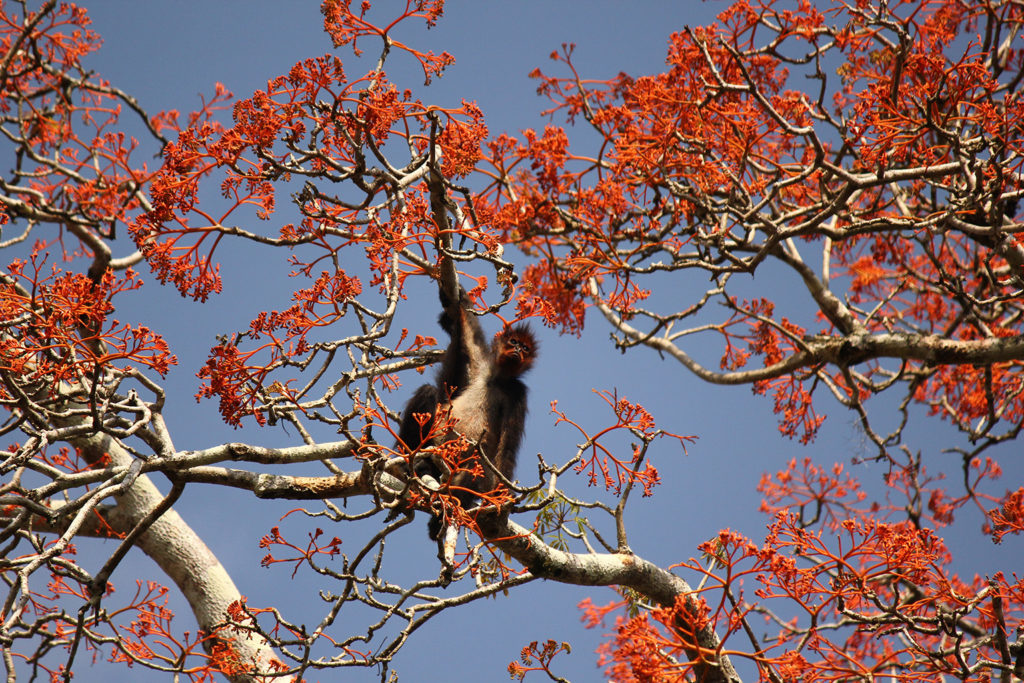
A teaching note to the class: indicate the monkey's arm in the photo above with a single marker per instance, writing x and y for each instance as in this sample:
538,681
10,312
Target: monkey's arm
468,354
510,419
425,400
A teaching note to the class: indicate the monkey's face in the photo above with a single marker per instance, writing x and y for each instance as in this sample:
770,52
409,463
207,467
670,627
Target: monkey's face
515,350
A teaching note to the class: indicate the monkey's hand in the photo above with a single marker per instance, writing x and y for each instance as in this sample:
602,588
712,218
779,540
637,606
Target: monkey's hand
446,301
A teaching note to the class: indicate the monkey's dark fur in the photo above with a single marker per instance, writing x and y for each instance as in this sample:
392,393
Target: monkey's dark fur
480,382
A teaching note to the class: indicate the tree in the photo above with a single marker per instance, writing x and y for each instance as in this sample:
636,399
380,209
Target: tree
864,161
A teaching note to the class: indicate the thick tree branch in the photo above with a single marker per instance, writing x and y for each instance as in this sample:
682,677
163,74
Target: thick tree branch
182,555
617,569
840,351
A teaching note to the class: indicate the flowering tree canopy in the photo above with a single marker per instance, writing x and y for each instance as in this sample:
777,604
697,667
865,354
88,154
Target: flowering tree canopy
825,194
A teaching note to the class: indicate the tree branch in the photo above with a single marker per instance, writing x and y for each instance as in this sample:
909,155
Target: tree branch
616,569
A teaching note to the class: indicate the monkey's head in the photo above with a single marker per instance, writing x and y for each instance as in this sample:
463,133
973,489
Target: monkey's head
514,350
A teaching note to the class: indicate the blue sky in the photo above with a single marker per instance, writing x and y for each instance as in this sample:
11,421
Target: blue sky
166,53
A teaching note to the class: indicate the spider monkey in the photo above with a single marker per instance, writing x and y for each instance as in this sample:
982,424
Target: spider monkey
480,382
